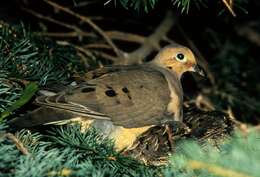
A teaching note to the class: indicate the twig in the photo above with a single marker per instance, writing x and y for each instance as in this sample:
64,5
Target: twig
84,3
249,33
17,143
91,23
148,44
106,56
202,61
229,7
77,31
231,3
115,35
81,51
88,52
106,3
152,42
84,59
123,36
65,34
167,39
96,46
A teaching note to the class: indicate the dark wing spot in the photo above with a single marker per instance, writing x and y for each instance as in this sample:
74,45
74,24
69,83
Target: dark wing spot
169,67
124,89
88,89
109,87
141,86
94,76
88,84
111,93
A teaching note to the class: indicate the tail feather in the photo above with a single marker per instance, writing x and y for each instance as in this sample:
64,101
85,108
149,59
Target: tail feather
40,116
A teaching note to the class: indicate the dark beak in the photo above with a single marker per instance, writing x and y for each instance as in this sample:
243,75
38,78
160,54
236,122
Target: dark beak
199,70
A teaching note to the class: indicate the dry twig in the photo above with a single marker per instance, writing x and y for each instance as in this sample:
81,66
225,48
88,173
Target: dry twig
90,23
148,44
96,46
76,30
17,143
151,42
123,36
115,35
229,5
72,34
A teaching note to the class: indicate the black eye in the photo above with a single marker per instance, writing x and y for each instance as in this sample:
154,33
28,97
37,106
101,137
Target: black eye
180,56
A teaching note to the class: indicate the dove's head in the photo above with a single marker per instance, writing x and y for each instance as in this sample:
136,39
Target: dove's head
178,59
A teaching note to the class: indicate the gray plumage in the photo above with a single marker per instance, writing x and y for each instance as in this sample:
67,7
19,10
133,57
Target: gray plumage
128,96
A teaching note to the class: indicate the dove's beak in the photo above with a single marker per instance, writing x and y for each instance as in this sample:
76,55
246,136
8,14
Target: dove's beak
199,70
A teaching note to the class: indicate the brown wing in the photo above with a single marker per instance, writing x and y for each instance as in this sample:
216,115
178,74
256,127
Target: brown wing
128,96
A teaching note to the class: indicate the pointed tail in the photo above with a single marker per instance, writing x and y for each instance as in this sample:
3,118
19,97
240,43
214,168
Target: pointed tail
40,116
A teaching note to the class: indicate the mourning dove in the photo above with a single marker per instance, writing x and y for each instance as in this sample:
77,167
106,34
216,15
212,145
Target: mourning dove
122,101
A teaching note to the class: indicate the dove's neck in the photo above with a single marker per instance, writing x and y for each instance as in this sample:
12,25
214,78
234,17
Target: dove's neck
178,74
171,76
176,92
157,65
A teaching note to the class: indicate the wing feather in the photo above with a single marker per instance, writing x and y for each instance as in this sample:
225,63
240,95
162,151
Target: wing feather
130,96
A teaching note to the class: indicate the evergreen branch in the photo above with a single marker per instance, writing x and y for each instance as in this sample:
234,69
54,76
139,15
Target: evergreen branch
184,5
137,4
27,57
240,150
9,91
214,169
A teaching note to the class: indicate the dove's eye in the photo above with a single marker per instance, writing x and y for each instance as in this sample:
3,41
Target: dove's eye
180,57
